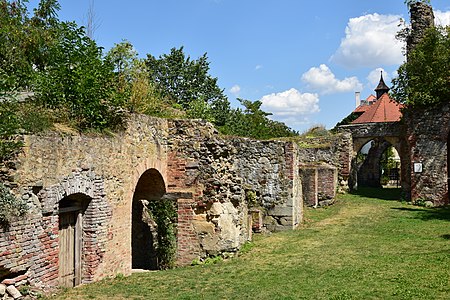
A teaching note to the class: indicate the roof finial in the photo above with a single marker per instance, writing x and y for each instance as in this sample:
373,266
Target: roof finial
382,88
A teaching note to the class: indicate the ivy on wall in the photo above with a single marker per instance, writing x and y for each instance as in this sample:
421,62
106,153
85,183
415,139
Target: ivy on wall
164,213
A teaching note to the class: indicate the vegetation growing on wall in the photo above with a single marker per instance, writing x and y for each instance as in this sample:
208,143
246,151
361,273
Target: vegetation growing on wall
11,206
164,214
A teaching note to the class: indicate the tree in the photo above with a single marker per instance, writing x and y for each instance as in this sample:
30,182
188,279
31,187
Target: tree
131,79
254,122
77,80
92,22
182,79
345,121
24,41
423,80
56,60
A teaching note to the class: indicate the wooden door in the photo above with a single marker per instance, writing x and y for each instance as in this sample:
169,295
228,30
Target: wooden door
70,248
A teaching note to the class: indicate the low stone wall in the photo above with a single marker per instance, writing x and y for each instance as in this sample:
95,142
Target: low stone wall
319,184
324,168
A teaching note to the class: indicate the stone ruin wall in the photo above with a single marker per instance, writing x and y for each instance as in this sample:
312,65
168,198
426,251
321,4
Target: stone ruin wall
223,173
213,176
325,169
428,136
106,168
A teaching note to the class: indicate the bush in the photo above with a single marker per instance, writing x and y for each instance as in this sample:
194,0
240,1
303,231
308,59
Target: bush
164,214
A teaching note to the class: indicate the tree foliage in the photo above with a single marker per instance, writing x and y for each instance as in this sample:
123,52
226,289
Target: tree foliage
423,80
71,78
188,83
345,121
78,80
9,128
183,79
24,41
254,122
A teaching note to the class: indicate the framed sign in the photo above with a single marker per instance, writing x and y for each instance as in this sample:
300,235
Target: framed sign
417,167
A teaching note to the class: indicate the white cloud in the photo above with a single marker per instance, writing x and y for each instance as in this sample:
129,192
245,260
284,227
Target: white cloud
291,106
370,41
442,18
258,67
374,77
235,89
290,103
324,81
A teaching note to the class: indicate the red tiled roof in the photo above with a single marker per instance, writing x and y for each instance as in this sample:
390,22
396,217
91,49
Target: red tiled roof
383,110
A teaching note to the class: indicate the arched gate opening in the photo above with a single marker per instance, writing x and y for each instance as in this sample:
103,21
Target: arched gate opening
377,165
152,215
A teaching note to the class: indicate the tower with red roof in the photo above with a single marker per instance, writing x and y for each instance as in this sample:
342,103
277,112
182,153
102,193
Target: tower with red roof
380,109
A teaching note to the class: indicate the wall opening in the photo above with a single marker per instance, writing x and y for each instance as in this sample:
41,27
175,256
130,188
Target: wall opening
378,165
144,229
71,237
390,166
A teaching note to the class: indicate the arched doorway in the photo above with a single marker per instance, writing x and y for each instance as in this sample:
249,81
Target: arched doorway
390,165
144,229
377,165
70,231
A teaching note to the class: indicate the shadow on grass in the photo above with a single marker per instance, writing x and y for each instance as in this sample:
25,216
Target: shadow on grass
426,214
446,236
379,193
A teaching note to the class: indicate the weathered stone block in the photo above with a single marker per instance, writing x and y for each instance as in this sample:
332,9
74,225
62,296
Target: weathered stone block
14,292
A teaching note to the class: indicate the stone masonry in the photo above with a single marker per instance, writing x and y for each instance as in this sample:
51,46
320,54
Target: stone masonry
215,181
428,141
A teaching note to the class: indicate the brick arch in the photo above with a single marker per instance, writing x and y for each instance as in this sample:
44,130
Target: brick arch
96,218
391,132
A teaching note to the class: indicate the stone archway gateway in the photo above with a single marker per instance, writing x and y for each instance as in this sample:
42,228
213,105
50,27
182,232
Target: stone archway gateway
70,232
150,187
377,164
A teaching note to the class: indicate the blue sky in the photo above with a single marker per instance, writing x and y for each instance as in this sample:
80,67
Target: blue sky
303,59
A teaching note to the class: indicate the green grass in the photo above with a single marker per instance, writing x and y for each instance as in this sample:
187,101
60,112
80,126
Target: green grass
363,247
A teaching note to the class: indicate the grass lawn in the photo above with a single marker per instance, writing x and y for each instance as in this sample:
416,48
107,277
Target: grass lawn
366,246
